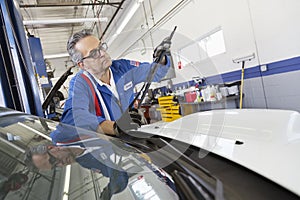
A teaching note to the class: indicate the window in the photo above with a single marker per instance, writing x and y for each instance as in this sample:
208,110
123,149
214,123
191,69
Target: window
207,46
213,44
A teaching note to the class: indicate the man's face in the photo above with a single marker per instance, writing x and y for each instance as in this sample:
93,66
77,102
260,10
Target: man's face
96,66
56,156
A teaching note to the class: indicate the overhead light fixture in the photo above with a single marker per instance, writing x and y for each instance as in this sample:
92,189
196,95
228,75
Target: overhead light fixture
130,13
59,55
12,145
64,21
35,131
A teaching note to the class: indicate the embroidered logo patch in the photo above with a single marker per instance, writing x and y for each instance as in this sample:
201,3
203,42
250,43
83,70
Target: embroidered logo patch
103,156
134,63
128,85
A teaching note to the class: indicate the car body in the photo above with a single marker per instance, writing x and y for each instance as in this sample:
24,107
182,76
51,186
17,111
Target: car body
157,159
265,141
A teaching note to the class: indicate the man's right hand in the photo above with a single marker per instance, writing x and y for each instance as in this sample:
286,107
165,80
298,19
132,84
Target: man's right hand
129,120
164,46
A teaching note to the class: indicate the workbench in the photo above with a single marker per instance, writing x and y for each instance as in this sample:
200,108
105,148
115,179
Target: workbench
225,103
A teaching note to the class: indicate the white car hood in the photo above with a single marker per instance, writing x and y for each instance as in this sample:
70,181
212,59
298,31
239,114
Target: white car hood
270,139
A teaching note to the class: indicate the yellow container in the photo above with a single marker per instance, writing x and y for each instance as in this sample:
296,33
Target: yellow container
168,109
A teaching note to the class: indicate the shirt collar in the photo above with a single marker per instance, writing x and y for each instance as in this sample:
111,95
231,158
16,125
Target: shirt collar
111,80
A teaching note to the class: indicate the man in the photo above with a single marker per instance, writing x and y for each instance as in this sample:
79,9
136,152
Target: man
93,154
101,92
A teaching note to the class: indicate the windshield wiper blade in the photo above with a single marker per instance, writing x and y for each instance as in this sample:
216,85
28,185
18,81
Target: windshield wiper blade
151,74
170,153
191,177
188,188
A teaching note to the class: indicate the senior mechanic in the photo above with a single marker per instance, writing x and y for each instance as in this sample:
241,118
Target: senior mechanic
103,89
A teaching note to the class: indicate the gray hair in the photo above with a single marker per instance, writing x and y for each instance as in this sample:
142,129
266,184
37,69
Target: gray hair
39,149
76,56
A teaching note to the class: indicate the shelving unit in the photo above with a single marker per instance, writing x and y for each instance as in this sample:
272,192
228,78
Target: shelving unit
168,108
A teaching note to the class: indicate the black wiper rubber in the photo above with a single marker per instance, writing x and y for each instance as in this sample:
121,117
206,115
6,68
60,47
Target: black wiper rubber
150,76
189,189
217,192
170,153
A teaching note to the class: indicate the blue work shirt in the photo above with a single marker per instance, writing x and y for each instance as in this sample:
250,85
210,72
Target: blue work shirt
80,109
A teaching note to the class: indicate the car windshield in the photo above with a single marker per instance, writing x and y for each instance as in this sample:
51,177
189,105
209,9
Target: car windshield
144,179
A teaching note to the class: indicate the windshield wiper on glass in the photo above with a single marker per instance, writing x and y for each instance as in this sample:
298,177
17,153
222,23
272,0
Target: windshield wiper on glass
180,170
191,187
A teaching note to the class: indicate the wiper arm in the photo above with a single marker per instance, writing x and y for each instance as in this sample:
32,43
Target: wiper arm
150,77
200,186
56,87
188,188
170,153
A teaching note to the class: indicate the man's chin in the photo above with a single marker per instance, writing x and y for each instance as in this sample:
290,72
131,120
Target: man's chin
107,64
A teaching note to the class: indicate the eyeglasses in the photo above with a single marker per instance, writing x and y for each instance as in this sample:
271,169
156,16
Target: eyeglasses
52,160
95,53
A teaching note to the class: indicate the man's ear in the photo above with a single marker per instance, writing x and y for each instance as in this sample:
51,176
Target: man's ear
81,65
51,147
56,149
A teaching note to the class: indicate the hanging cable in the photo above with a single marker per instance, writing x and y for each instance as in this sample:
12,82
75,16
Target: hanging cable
86,11
160,22
150,33
151,10
257,52
74,16
30,18
97,15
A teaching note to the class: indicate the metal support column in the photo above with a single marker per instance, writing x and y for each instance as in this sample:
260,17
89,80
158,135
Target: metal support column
17,79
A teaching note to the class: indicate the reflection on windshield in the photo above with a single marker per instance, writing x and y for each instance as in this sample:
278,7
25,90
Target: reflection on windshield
103,167
142,190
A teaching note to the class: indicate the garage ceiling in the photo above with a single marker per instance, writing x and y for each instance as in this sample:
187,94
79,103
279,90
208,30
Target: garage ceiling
55,21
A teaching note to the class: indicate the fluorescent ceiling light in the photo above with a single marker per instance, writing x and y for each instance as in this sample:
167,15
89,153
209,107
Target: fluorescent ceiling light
129,15
34,131
126,19
12,145
63,21
59,55
67,182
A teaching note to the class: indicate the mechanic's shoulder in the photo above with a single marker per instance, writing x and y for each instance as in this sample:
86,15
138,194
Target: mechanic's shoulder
118,62
79,77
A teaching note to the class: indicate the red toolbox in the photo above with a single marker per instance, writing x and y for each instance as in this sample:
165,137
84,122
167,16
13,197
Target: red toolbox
190,96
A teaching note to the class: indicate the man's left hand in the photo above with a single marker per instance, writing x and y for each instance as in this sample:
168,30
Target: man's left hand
130,119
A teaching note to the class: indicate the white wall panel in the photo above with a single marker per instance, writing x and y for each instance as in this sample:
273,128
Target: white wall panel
269,26
232,15
276,27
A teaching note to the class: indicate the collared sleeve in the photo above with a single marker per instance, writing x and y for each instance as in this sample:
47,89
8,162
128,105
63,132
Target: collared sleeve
141,71
128,73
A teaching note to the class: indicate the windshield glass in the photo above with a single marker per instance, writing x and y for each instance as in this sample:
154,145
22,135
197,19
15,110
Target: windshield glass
132,172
